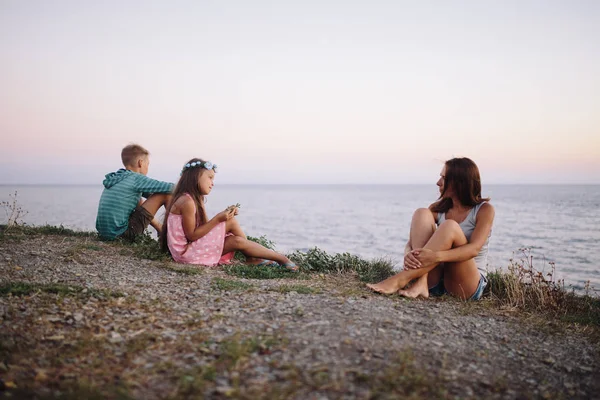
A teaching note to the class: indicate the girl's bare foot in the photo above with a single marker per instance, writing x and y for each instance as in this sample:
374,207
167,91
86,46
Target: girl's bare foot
259,261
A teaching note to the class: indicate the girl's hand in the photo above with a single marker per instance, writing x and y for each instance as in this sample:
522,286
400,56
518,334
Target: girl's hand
226,215
411,261
235,208
426,257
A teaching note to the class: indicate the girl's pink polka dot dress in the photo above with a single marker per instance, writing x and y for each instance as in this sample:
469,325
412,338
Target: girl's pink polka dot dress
208,250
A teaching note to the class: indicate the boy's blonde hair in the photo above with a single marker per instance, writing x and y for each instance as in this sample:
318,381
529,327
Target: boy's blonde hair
131,153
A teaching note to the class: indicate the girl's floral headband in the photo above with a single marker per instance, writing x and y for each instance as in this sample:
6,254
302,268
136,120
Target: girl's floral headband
202,164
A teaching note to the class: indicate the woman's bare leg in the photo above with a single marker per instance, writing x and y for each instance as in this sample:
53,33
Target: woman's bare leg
463,276
422,228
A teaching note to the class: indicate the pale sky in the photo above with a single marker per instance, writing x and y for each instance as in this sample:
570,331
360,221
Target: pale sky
301,91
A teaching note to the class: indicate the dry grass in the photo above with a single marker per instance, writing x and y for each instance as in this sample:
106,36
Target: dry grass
524,287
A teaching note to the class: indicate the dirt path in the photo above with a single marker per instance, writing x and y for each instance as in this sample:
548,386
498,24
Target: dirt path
159,333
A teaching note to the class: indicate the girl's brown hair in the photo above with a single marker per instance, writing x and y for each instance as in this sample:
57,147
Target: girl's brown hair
462,175
188,183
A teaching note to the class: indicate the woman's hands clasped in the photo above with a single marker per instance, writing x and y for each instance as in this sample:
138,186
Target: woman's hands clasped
419,258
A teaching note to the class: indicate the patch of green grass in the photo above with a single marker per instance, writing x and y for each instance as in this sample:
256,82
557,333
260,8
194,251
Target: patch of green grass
50,230
20,232
261,272
145,247
300,289
140,342
194,381
235,348
26,288
230,355
317,260
228,285
403,378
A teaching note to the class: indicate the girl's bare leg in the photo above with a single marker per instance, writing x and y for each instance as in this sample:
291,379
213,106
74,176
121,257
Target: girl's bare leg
460,279
252,249
233,226
422,228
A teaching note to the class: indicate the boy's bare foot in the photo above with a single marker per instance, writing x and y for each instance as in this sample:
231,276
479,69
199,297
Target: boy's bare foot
388,286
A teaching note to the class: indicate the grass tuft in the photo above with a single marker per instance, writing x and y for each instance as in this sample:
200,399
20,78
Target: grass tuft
317,260
403,378
229,285
261,272
300,289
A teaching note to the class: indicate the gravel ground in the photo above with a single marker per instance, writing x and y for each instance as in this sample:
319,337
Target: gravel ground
168,333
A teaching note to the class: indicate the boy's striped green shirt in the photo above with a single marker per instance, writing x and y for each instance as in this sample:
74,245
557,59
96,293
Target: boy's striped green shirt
122,192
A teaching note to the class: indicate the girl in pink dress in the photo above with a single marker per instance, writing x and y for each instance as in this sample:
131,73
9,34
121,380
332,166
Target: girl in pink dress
192,238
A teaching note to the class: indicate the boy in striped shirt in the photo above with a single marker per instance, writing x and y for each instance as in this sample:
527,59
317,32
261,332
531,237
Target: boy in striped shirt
122,212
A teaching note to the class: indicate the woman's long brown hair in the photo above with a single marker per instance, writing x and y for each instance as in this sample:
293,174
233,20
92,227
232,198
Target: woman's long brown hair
462,175
188,183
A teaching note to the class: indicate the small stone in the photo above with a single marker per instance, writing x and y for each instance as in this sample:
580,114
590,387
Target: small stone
224,390
41,376
549,361
115,337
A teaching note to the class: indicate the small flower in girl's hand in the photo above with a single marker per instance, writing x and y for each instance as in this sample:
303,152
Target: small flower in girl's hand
235,206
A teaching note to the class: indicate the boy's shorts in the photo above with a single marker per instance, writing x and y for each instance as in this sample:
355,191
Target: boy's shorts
139,220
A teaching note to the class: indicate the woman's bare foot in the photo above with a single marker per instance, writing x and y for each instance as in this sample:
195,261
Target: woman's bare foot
388,286
415,291
419,288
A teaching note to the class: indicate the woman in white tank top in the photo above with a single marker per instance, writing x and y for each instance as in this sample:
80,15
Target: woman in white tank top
447,249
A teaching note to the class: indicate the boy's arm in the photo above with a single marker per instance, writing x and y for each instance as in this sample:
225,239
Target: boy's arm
149,186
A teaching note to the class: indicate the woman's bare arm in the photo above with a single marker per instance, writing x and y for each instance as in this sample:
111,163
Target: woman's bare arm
483,226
